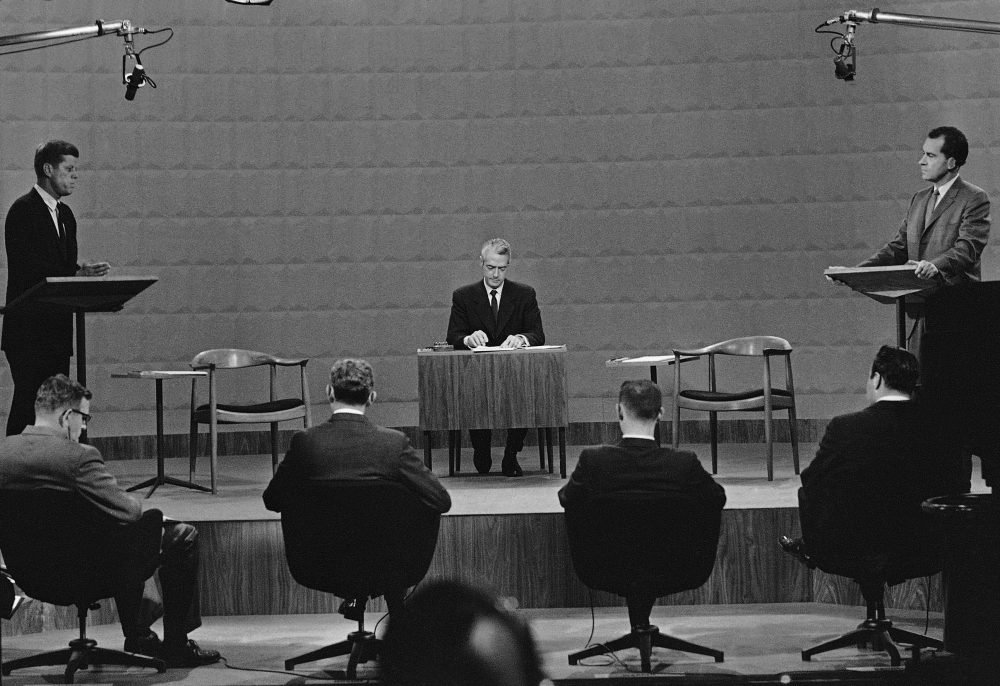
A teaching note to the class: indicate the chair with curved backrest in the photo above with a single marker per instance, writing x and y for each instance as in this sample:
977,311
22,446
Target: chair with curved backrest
62,550
358,540
765,399
271,411
876,539
643,547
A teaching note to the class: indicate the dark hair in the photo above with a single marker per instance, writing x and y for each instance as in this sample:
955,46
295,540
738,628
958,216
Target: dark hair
897,367
352,381
641,397
59,392
955,143
451,634
52,153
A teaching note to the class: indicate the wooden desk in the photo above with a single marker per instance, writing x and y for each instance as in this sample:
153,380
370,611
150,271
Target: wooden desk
160,477
508,389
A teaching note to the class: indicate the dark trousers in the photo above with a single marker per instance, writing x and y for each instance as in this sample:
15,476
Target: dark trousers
179,578
481,440
28,369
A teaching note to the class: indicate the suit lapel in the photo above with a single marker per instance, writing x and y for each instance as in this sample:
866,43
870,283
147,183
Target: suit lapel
946,202
506,307
484,311
915,226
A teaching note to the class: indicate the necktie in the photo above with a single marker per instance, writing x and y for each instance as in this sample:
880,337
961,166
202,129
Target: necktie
493,305
931,203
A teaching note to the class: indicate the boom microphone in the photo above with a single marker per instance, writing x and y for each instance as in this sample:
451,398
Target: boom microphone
133,81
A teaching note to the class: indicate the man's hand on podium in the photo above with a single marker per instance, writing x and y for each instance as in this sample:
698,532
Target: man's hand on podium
833,280
476,339
514,341
924,269
94,269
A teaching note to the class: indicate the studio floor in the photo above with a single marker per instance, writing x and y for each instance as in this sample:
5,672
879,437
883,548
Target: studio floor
759,641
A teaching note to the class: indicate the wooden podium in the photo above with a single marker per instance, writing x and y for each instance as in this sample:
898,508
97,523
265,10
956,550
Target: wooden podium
887,285
83,294
506,389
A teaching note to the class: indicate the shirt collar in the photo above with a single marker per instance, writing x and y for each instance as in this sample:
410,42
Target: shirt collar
499,289
894,398
49,201
944,187
640,436
348,410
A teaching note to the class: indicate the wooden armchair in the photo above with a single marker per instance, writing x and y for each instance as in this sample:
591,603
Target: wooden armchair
271,411
766,399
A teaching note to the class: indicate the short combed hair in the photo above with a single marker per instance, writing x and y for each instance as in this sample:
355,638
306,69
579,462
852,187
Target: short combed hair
52,153
955,143
897,367
452,634
352,381
498,245
60,392
641,397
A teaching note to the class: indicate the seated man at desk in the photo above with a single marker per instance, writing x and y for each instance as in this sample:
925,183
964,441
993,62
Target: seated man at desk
892,449
49,455
638,463
495,312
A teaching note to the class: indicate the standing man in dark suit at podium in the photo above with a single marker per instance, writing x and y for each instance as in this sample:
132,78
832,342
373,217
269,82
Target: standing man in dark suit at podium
495,312
946,226
40,236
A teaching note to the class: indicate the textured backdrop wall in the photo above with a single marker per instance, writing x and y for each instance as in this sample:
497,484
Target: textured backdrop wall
315,177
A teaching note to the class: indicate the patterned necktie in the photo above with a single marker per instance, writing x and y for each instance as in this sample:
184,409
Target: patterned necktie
493,305
931,203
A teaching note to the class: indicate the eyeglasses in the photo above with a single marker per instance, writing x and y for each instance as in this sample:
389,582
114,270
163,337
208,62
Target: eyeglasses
83,415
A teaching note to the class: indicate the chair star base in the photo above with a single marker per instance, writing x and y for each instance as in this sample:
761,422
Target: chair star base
645,639
81,653
882,636
361,645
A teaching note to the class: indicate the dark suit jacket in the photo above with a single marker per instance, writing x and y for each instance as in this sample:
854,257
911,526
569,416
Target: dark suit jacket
350,447
44,458
953,240
518,314
885,458
639,465
34,253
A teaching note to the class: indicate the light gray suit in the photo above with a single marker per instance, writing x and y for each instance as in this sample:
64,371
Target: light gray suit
953,240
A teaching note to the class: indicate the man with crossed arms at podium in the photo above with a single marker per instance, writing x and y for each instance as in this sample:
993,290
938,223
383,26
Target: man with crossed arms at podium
495,312
40,236
946,226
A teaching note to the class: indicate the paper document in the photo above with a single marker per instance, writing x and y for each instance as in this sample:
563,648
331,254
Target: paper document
497,348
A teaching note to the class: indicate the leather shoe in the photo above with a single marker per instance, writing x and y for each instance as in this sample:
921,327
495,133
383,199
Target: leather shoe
188,654
797,549
144,645
510,467
483,461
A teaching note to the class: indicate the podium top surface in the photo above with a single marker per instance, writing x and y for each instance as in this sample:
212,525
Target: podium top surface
83,293
885,284
426,352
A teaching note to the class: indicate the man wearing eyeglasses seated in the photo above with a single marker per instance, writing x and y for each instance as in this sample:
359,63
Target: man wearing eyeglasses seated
48,454
495,312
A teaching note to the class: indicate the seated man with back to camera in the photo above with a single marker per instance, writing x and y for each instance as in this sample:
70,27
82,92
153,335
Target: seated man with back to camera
49,455
638,463
348,447
892,449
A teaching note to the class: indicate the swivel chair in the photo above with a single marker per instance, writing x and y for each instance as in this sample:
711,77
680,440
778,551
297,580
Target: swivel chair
358,540
877,540
62,550
642,547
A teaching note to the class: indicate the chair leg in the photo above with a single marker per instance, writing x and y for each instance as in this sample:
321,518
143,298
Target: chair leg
673,643
676,428
713,426
769,439
192,449
274,448
214,458
793,432
541,449
333,650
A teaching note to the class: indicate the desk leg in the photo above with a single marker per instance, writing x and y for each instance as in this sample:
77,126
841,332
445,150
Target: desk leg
562,451
427,449
656,429
548,447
